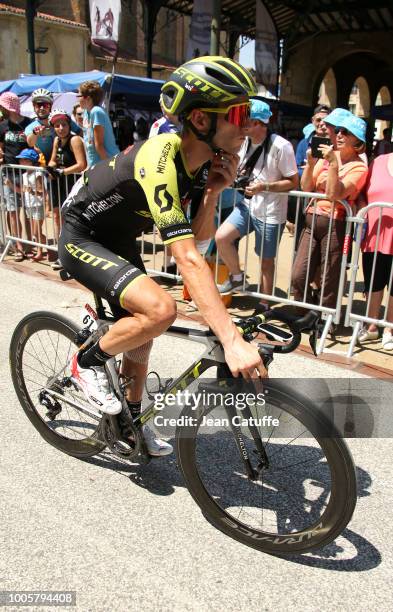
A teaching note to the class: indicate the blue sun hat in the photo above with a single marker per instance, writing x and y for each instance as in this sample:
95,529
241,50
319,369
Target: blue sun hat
355,125
260,110
336,116
28,154
308,130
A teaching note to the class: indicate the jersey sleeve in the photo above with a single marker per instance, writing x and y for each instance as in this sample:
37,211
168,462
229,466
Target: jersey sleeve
156,173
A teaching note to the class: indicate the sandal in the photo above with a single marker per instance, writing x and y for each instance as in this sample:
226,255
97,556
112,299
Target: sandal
37,257
19,256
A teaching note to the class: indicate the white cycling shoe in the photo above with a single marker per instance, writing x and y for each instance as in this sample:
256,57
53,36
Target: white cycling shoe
155,446
93,382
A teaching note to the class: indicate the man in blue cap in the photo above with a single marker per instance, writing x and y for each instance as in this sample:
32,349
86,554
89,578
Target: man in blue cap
268,162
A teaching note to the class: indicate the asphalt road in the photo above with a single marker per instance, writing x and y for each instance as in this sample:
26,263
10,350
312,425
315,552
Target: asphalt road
128,537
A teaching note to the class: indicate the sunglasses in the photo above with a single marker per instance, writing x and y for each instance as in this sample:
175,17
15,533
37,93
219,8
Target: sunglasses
237,114
79,114
343,131
42,104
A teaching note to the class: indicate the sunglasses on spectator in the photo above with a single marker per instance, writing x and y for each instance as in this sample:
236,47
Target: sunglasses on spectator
237,114
79,95
343,131
79,114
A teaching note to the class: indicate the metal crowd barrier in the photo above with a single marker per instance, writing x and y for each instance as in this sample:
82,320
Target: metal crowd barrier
352,318
25,200
152,245
15,214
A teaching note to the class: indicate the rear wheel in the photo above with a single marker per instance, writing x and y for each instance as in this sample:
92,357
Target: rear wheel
40,352
300,501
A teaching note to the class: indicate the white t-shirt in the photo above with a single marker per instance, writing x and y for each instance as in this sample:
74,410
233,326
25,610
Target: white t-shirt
34,198
280,163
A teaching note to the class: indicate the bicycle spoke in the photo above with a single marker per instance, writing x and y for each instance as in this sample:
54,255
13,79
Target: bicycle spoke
283,499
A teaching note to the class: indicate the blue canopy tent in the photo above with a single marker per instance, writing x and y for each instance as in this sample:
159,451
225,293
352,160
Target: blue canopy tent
141,93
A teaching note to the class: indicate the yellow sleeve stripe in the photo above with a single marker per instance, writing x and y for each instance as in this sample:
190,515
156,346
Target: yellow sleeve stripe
170,240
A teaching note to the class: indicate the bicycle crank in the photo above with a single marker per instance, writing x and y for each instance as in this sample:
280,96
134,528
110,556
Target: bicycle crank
120,445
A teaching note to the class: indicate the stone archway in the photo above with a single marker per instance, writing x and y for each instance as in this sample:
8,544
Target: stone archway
328,90
383,97
359,98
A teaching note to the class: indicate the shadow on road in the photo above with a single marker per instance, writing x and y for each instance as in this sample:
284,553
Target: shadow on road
287,504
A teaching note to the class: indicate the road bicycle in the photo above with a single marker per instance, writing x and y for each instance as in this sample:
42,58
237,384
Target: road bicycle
282,489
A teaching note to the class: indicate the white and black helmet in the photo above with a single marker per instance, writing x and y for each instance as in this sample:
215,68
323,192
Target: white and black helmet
58,113
42,95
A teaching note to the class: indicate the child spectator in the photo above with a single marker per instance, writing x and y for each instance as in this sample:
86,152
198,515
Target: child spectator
35,197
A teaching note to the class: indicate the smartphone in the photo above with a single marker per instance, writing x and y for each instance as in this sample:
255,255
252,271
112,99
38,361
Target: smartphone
316,141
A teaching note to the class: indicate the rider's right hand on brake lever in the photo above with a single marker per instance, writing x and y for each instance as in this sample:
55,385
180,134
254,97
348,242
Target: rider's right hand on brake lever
243,358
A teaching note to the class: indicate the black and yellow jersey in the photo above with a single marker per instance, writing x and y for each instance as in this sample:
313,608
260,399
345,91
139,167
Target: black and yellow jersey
145,184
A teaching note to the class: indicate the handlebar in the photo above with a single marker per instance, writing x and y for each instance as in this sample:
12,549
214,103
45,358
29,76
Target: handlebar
296,325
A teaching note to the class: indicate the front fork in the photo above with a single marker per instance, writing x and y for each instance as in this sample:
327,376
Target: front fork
263,461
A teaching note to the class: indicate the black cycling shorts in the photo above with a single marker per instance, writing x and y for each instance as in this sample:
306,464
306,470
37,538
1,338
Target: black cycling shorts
105,268
383,267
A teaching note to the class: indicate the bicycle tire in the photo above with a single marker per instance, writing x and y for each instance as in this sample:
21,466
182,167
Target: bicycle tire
343,495
25,331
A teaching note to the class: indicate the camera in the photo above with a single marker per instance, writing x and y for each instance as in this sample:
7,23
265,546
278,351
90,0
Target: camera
241,182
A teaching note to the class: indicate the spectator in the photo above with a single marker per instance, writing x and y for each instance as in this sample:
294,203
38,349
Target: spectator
341,174
166,123
12,142
318,123
68,158
77,113
141,130
263,210
301,150
125,134
379,188
98,134
334,120
35,196
40,134
384,146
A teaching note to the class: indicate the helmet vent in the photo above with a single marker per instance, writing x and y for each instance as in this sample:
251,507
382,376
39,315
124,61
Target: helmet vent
220,76
237,73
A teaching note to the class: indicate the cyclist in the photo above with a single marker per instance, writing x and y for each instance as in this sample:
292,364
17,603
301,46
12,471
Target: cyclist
117,199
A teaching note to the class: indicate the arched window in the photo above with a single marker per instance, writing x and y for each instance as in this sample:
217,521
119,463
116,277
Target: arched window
328,90
359,98
383,97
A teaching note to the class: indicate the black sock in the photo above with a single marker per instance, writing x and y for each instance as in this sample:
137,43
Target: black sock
135,408
93,356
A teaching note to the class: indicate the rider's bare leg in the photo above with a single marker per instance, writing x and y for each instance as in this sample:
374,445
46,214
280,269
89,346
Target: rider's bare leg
153,309
137,371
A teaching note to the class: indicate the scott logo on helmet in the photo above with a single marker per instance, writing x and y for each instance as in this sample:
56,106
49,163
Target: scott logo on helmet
202,85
